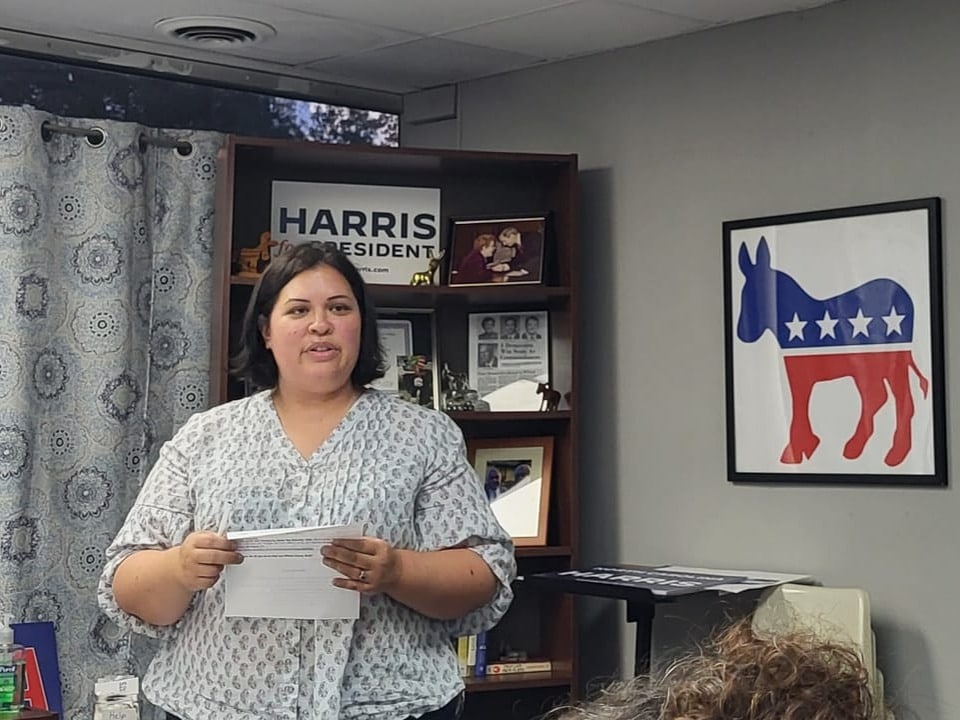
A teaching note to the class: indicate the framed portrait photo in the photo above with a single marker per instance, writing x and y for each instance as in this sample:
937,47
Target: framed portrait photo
834,346
515,473
408,338
492,251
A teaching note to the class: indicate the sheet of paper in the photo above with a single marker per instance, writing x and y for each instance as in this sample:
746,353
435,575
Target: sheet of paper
283,576
518,509
518,395
754,578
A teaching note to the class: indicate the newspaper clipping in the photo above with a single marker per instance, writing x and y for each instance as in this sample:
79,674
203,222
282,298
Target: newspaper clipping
509,357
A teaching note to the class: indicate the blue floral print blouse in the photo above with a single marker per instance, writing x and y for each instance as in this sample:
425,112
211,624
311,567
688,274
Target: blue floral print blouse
399,469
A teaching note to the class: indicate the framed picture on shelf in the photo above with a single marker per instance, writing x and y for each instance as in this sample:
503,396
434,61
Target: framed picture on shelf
509,358
409,341
492,251
516,474
834,346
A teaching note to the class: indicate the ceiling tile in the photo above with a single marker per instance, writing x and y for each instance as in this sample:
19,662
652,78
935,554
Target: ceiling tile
300,38
377,43
576,29
423,63
724,11
425,17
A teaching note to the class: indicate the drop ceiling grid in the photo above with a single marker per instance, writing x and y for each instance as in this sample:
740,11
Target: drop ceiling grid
391,45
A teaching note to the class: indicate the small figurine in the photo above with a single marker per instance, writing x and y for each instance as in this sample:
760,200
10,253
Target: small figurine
510,655
476,403
251,258
426,277
416,379
457,393
551,397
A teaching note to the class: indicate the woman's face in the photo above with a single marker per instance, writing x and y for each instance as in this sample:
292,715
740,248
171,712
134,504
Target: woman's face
314,331
509,237
487,250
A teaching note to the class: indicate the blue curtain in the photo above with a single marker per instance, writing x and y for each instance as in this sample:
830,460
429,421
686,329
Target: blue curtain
105,301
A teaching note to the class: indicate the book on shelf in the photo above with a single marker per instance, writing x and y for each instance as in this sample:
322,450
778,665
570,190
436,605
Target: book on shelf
471,660
467,654
520,666
480,667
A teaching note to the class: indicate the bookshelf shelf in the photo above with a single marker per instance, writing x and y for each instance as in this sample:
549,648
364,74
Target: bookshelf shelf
493,417
518,681
429,296
558,551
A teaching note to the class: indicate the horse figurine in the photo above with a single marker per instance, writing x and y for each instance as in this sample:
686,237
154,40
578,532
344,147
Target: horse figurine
426,277
551,397
250,258
863,334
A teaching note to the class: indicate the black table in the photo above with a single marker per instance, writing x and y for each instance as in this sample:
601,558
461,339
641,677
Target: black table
643,587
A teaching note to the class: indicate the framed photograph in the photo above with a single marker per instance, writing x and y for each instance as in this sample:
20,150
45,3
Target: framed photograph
834,346
515,473
508,358
490,251
409,342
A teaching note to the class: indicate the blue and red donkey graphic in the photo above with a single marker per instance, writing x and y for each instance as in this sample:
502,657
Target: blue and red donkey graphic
865,334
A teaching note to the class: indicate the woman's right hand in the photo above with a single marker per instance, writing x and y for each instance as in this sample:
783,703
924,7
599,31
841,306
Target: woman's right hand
201,557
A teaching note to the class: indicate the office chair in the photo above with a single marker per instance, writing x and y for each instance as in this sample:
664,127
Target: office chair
835,614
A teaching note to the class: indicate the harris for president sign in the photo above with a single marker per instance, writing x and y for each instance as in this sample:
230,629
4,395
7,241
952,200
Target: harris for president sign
388,232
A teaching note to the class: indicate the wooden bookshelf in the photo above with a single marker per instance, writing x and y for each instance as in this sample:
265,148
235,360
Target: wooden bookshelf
518,681
471,184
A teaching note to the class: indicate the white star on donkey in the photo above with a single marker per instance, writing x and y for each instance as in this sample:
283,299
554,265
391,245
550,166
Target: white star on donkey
893,321
860,323
827,325
795,327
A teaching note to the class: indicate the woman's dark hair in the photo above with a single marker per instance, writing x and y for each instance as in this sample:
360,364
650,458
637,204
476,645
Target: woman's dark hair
255,362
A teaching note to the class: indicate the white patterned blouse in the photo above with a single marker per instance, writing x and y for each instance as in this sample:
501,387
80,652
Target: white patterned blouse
398,468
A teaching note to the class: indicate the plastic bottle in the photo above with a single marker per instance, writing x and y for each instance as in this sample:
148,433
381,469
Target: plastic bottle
11,672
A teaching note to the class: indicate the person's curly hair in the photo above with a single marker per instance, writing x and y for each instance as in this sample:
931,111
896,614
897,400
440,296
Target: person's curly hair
743,675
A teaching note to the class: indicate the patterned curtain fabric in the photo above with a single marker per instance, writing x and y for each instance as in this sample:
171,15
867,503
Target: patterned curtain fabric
105,301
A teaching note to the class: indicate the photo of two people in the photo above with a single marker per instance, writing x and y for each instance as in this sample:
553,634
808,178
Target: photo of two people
506,250
503,475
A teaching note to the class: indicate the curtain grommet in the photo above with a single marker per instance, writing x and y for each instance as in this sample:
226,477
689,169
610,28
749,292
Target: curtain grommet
96,137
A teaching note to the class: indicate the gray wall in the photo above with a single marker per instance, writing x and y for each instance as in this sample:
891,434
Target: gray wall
851,103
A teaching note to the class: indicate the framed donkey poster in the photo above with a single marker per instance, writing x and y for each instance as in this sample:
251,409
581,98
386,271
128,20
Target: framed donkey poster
834,346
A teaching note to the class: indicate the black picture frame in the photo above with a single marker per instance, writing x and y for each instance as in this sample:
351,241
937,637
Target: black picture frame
822,309
416,329
469,237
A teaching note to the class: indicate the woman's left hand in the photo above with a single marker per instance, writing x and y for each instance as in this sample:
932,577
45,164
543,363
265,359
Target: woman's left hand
368,564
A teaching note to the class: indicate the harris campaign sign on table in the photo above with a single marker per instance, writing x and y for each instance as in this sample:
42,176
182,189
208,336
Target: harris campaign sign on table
662,580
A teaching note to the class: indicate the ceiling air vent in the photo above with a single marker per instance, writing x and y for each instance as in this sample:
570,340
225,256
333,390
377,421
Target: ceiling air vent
215,32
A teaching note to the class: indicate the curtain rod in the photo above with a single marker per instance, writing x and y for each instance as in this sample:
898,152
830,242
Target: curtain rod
95,136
